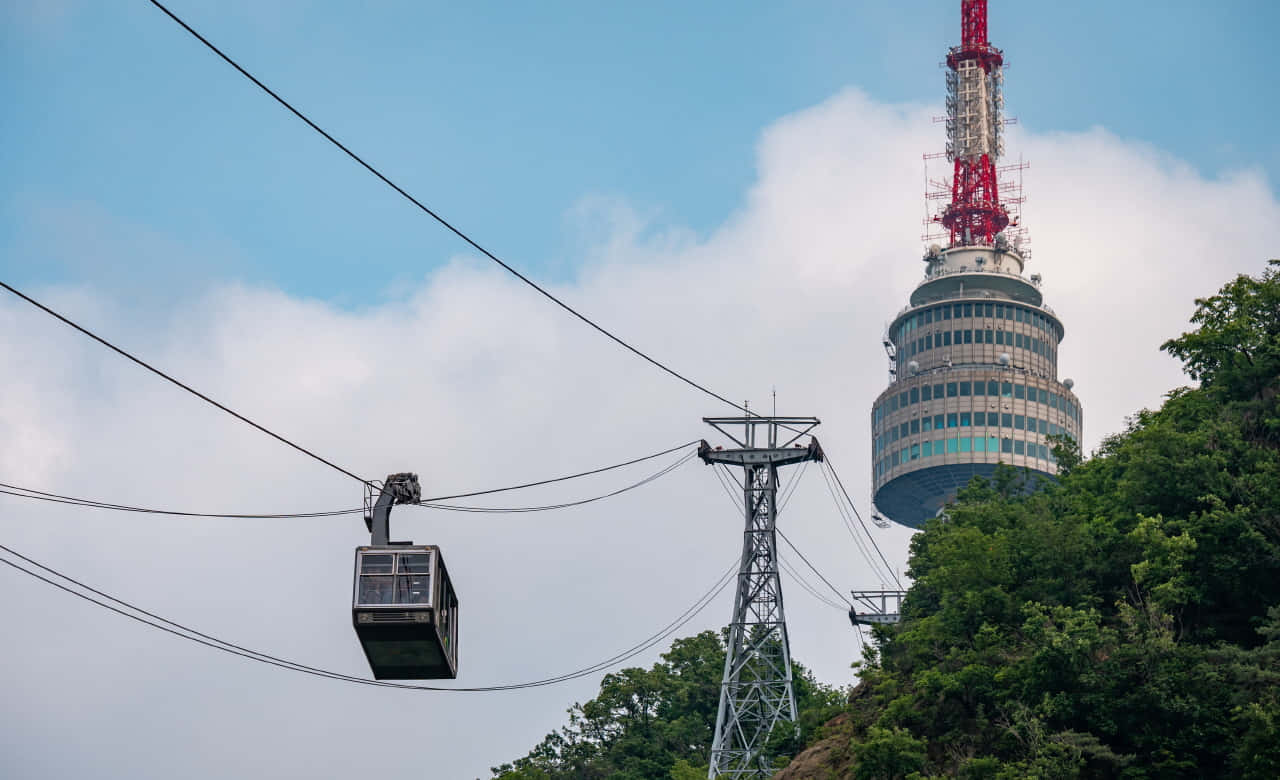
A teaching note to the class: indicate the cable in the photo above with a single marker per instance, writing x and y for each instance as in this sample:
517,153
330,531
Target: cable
184,632
791,570
806,585
792,546
57,498
562,479
517,509
862,643
790,490
843,511
834,589
186,387
443,222
852,506
38,495
728,486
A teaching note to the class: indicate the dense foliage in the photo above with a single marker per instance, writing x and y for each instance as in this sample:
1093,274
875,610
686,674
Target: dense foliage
658,722
1122,623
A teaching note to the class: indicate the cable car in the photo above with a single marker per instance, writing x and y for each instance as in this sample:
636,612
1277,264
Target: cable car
404,608
405,612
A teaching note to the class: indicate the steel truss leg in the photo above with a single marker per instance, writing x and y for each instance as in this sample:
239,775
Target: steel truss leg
756,695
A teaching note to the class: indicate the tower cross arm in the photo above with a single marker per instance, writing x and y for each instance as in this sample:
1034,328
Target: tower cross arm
777,456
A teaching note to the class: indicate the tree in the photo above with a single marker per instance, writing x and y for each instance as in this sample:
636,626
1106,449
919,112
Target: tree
658,722
1236,349
1124,622
887,754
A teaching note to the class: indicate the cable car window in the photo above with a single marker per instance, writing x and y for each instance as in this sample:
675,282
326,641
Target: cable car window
376,564
413,581
415,563
413,589
375,590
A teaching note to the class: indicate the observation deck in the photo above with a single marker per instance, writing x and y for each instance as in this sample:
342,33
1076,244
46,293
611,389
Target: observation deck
974,382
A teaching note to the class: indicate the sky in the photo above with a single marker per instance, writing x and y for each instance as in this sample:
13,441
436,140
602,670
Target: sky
735,189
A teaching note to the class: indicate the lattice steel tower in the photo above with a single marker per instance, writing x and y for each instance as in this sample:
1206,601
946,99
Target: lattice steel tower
974,357
756,694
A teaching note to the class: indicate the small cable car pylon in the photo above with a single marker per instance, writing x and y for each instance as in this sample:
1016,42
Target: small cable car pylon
404,609
756,694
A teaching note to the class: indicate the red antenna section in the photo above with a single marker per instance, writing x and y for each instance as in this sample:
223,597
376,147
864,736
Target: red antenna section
974,132
973,23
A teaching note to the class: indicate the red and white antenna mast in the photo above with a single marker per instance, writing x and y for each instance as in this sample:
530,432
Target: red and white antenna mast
974,124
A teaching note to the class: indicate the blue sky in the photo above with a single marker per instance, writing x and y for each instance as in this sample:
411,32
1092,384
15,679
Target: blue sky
122,130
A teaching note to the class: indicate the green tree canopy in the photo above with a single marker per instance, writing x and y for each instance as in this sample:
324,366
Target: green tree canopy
1124,622
658,722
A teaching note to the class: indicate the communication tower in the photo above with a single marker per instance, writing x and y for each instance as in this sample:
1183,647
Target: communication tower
973,358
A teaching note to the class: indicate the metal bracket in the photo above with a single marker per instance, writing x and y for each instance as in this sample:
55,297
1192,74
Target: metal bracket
400,488
876,607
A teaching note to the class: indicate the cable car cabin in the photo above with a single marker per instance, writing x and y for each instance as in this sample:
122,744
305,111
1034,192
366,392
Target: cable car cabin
406,613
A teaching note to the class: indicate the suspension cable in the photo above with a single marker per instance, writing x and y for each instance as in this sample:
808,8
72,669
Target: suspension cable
805,584
519,509
832,467
58,498
182,385
843,511
814,569
153,620
445,223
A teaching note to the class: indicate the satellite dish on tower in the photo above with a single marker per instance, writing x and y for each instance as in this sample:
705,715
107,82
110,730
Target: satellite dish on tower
1004,358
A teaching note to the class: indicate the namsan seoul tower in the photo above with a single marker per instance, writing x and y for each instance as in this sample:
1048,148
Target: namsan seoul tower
973,358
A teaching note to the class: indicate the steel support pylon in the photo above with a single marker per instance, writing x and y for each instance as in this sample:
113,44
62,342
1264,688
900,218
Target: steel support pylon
756,695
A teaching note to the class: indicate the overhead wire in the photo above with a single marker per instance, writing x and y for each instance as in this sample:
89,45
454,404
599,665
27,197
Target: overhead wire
790,491
814,569
805,584
167,377
727,480
832,467
602,469
258,426
875,566
58,498
21,492
564,505
177,629
445,223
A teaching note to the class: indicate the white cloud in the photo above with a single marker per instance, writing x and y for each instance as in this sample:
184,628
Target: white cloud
474,381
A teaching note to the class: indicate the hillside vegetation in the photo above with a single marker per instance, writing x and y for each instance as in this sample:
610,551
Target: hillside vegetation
1122,622
658,722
